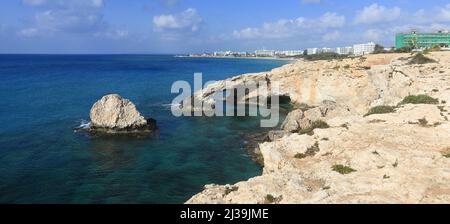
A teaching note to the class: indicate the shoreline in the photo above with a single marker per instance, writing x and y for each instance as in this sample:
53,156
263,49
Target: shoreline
254,58
309,167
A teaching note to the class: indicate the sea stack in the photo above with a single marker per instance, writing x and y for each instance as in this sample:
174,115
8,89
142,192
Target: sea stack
113,114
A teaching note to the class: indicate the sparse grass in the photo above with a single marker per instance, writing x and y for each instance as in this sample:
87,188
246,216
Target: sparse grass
270,199
395,164
231,189
386,177
419,99
343,169
435,90
447,155
344,126
375,153
380,110
326,188
420,59
347,66
443,102
310,151
423,122
316,124
376,121
325,139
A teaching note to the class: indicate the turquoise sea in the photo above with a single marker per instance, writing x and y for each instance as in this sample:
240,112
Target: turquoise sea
44,97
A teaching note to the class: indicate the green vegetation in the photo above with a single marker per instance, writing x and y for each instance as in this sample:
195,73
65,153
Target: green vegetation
270,199
310,151
386,177
395,164
447,155
380,110
326,188
324,56
343,169
420,58
379,49
231,189
419,99
423,122
316,124
403,50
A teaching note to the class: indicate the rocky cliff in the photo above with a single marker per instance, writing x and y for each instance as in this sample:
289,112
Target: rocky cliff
335,151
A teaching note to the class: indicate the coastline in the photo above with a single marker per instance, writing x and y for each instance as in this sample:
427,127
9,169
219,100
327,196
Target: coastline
372,159
255,58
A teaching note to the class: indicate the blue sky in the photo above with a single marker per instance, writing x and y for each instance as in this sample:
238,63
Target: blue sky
181,26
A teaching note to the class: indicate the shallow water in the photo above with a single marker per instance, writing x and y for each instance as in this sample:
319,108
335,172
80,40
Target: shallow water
43,161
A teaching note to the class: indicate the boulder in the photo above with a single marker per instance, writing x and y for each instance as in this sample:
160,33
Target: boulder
113,114
291,123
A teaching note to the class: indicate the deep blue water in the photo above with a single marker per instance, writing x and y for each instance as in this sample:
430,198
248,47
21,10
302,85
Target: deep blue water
42,160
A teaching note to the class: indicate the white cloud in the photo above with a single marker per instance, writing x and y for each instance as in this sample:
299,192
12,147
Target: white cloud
282,28
377,13
65,16
374,34
69,21
187,20
286,28
444,13
331,20
114,34
333,36
28,32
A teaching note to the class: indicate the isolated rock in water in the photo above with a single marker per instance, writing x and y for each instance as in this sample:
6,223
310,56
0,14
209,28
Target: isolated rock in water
115,115
115,112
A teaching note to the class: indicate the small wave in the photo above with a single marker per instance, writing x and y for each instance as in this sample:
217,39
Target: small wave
84,124
170,105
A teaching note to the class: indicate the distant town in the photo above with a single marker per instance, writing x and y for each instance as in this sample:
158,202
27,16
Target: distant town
405,42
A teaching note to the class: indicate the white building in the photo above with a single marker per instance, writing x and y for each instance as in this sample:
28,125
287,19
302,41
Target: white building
290,53
344,50
363,49
265,53
326,50
311,51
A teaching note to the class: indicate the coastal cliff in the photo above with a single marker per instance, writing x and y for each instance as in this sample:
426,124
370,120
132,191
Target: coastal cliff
376,130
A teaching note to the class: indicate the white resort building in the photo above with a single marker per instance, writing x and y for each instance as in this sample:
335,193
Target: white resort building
363,49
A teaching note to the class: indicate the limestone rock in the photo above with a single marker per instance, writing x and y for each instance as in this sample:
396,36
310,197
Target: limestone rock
291,123
114,114
398,157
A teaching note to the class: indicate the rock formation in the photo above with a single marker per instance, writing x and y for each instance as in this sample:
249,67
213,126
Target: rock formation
113,114
401,156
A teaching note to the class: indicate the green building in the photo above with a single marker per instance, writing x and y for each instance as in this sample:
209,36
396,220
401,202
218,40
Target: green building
422,40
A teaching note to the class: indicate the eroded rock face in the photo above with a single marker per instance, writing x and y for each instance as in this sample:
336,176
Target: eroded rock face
398,157
114,114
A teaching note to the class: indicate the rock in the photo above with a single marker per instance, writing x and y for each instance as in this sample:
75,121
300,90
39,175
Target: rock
274,135
291,123
398,157
113,114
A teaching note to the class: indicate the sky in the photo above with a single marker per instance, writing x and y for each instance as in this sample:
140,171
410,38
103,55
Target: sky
185,26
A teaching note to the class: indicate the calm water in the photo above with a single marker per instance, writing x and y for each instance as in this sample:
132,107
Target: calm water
43,161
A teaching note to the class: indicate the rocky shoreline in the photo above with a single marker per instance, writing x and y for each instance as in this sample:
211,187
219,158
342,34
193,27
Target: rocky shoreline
376,130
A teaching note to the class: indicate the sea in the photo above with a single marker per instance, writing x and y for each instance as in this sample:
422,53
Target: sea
43,98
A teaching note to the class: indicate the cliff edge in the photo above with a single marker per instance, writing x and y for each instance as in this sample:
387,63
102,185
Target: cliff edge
376,131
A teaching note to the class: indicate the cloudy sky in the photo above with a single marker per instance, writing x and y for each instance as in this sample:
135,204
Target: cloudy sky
181,26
